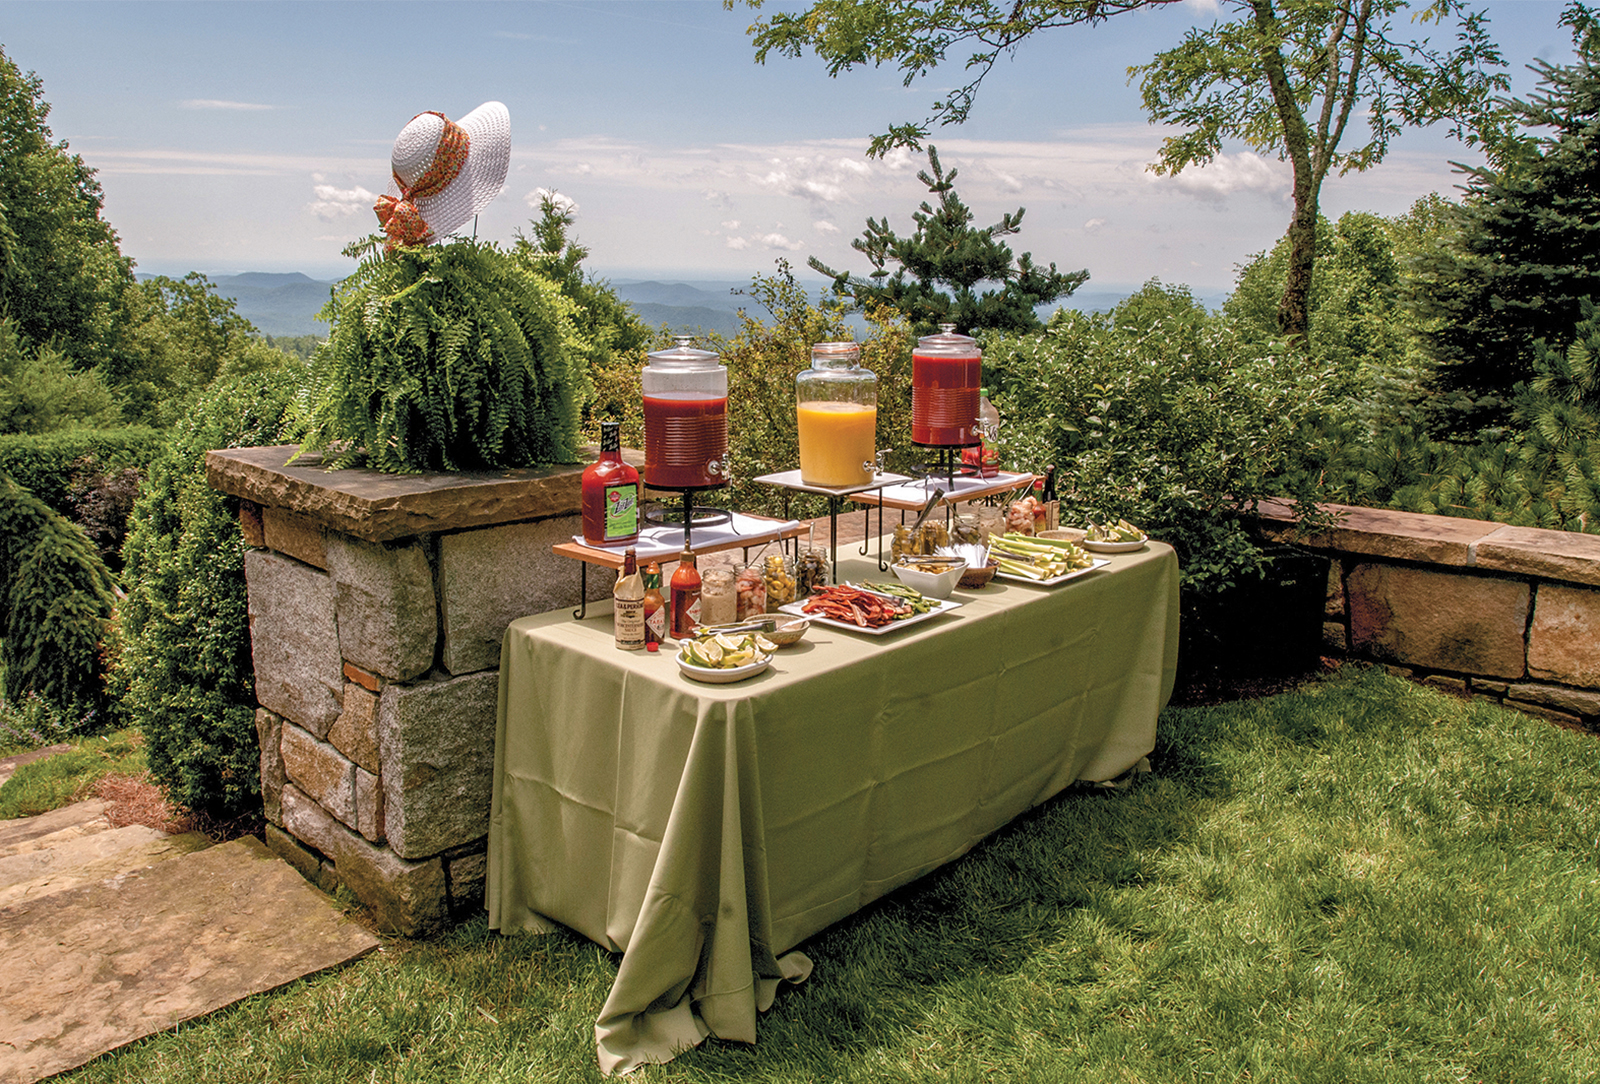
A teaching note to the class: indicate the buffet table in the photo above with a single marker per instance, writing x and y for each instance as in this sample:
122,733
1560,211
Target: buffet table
706,830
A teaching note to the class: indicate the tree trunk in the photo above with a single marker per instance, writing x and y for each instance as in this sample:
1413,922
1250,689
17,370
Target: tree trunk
1294,310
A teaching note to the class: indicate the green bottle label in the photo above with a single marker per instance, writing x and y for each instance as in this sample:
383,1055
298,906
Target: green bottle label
622,511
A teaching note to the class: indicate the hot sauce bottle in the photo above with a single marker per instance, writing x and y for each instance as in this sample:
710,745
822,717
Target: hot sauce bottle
685,596
655,608
610,493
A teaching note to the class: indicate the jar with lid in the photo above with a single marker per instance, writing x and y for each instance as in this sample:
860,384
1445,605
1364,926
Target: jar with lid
966,530
685,418
836,405
751,588
718,604
778,571
810,572
946,370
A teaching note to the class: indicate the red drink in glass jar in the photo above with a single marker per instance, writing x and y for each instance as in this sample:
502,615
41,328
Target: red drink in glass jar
685,441
946,370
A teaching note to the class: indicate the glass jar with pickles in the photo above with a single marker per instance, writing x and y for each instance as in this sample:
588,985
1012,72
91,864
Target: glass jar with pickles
778,572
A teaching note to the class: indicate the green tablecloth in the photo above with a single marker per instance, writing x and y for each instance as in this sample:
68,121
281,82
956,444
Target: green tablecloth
706,830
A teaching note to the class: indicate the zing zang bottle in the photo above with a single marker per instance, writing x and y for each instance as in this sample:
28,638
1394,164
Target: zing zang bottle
627,604
685,596
610,493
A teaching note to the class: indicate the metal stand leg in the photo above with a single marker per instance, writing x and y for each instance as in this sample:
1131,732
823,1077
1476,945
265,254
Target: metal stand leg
583,590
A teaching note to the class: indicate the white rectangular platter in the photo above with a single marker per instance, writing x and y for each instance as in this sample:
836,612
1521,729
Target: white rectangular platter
1099,562
942,606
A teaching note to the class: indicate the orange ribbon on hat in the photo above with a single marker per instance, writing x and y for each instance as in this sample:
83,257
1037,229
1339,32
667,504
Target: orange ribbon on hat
401,220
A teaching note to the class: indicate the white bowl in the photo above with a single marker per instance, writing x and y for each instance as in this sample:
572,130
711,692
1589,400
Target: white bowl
723,675
1114,547
931,584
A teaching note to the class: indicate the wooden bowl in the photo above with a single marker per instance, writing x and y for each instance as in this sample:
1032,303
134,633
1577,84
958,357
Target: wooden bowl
789,630
976,577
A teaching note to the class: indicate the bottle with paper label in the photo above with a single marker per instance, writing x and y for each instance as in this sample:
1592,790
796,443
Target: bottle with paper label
627,604
655,608
684,596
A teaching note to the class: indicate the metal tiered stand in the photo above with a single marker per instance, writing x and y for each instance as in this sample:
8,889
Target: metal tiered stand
789,481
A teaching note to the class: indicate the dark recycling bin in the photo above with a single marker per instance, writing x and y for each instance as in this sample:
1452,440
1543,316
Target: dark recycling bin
1267,626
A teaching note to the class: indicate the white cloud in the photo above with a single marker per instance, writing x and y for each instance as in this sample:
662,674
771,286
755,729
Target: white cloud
818,178
824,227
216,103
1230,173
332,202
563,203
731,224
738,244
1093,224
780,242
718,198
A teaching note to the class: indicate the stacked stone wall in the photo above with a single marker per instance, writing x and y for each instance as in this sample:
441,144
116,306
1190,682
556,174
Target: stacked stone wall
377,609
1509,614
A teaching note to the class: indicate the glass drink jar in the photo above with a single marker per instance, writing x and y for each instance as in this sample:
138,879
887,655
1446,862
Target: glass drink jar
946,370
836,403
685,418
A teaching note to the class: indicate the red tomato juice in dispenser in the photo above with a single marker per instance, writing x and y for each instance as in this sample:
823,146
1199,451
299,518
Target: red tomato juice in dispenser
946,371
685,418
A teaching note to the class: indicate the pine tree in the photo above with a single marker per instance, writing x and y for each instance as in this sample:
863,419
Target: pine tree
940,267
1523,256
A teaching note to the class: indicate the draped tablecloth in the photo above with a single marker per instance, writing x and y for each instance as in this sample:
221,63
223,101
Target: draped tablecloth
704,831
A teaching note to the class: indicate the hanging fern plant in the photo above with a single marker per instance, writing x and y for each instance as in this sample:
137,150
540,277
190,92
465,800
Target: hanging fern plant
449,357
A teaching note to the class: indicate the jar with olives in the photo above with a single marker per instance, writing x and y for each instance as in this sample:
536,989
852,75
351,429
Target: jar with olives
811,572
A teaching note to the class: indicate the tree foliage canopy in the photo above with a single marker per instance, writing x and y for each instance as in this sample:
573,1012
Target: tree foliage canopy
61,273
941,266
1285,77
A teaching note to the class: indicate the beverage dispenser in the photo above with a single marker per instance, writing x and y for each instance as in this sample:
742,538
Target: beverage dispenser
685,418
836,403
946,372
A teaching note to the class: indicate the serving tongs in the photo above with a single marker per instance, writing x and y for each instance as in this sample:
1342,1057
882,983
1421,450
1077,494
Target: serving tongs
756,624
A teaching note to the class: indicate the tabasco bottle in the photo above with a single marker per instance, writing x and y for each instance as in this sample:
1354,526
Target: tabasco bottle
627,604
610,493
655,608
684,594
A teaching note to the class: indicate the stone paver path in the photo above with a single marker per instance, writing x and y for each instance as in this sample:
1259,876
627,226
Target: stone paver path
111,934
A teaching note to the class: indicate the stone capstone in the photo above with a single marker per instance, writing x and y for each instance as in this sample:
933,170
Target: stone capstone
437,741
294,535
1564,639
380,507
409,898
1438,620
320,772
294,642
388,619
488,578
355,732
1536,551
269,728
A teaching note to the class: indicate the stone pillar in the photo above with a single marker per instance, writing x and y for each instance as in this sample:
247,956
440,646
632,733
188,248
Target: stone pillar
377,607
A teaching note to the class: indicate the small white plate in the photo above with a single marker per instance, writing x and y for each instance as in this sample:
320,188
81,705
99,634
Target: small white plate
1114,547
723,676
1053,580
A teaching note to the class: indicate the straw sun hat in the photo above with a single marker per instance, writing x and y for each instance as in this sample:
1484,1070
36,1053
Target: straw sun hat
443,172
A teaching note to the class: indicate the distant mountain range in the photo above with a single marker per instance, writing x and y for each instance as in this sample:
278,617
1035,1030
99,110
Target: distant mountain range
287,304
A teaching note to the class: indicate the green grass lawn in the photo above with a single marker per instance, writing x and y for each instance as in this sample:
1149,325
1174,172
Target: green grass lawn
1359,881
64,777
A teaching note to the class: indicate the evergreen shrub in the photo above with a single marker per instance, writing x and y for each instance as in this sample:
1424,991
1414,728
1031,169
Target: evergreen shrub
183,674
47,464
55,598
460,356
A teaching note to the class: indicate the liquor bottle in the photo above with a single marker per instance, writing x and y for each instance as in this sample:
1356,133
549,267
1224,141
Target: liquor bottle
655,608
627,604
684,594
1047,497
610,493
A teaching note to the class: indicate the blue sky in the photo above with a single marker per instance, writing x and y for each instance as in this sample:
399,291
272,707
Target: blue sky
251,136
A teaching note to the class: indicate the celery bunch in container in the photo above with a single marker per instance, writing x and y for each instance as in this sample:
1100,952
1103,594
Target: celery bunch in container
1037,558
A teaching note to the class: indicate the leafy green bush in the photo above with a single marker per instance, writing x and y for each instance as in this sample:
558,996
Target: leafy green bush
459,356
47,464
55,597
40,392
183,675
1162,414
